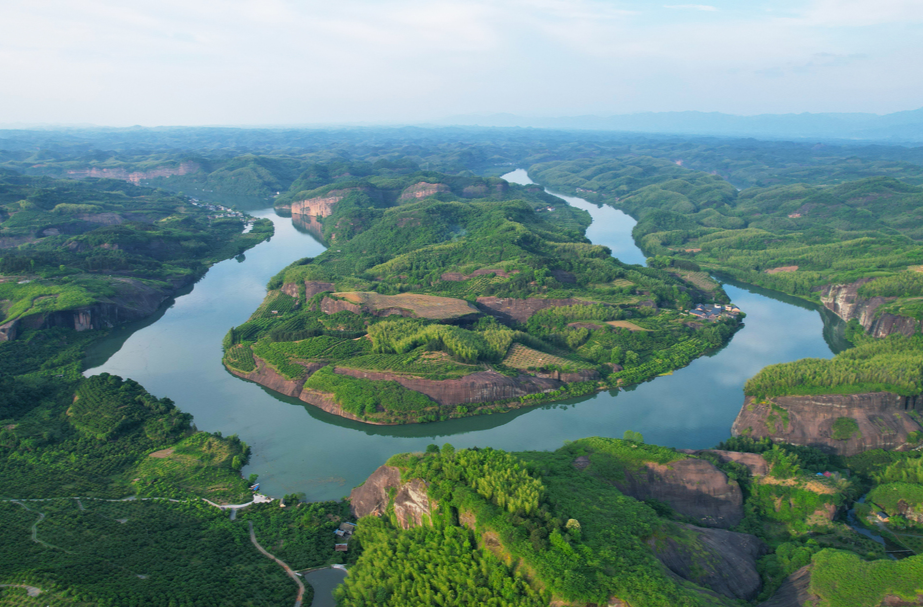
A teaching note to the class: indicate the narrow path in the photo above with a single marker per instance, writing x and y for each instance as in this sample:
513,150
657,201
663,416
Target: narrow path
288,569
41,517
30,590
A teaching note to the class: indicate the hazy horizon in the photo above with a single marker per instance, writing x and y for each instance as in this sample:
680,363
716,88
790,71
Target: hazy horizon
278,63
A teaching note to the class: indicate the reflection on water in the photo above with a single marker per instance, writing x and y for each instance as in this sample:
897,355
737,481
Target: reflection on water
309,224
298,448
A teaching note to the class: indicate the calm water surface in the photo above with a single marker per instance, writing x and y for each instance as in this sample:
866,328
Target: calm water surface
298,448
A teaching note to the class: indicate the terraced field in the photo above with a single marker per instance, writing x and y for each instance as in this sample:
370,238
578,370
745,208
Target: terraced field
423,306
523,357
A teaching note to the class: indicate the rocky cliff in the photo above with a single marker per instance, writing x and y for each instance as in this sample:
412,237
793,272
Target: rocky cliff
133,300
723,561
423,190
320,206
794,591
884,420
753,461
692,487
411,502
844,301
520,310
135,177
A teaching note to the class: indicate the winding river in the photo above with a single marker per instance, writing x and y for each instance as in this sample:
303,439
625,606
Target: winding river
298,448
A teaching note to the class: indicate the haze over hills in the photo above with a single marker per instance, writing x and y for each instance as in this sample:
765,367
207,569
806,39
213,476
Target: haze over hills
904,127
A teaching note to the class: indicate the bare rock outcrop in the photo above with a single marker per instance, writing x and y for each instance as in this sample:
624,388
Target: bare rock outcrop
313,287
411,502
844,301
795,591
133,300
268,377
753,461
520,310
480,387
723,561
422,190
322,206
135,177
692,487
884,420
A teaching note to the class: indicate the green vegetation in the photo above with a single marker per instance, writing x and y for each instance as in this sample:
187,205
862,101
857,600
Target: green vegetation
893,364
842,579
144,553
367,397
792,238
574,533
458,572
471,238
845,428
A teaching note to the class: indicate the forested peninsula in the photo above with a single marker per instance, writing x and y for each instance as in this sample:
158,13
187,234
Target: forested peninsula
447,296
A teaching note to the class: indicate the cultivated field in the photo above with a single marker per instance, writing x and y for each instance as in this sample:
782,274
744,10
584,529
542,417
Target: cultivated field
523,357
423,306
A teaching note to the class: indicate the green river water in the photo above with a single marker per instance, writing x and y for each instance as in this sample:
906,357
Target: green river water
298,448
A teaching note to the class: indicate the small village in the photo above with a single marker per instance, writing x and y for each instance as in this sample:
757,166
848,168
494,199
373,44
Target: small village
714,312
225,211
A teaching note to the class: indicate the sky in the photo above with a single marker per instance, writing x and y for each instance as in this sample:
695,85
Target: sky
275,62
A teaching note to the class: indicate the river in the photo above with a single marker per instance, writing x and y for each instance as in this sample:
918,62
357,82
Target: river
298,448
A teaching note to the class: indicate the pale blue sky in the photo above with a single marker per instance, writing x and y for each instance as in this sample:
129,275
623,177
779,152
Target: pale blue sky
192,62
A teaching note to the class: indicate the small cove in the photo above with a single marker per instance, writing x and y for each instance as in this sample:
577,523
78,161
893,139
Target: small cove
298,448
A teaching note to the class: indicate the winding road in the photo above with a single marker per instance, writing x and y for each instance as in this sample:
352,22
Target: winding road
288,570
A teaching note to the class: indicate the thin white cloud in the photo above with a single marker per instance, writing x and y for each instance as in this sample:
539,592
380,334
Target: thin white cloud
277,61
695,7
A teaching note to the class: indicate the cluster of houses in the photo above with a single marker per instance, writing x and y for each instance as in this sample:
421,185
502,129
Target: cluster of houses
714,312
225,211
343,533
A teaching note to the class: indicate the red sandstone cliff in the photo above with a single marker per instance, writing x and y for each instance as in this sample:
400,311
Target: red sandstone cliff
135,177
411,502
692,487
723,561
520,310
885,420
422,190
844,301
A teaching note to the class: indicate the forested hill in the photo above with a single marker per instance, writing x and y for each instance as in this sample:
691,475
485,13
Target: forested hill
793,238
108,248
458,296
605,521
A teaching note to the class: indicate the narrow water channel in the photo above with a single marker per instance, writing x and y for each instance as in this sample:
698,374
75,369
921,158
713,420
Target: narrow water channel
298,448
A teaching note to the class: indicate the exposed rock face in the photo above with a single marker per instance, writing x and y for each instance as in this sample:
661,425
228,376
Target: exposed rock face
520,310
291,289
884,420
268,377
308,223
371,498
794,591
411,502
313,287
480,387
329,305
723,561
322,206
134,300
692,487
422,190
844,301
135,177
753,461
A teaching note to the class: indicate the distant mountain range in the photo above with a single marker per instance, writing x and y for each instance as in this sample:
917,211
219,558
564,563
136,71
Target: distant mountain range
899,127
